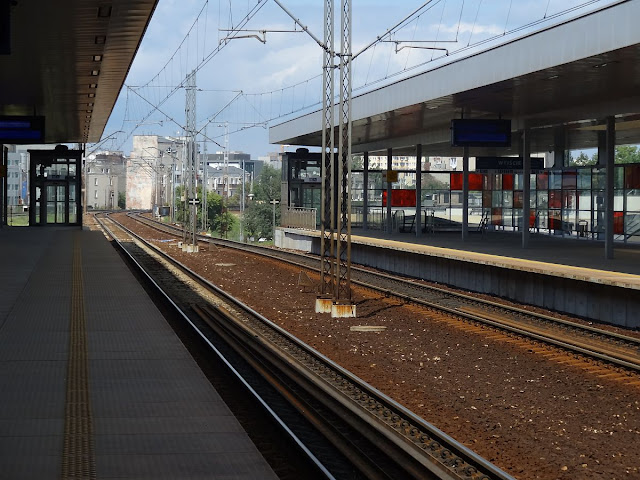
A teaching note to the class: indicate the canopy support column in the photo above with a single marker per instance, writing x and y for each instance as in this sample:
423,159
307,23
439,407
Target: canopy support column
610,150
465,194
526,186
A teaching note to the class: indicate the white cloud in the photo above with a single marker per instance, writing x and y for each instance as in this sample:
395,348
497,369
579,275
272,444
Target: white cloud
288,58
465,27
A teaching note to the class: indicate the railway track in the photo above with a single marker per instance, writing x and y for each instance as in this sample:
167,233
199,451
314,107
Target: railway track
373,435
614,349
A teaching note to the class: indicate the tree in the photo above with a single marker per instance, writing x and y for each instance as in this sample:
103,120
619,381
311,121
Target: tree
430,182
214,210
122,200
258,216
218,218
258,219
583,160
624,154
268,185
224,223
181,215
235,199
627,154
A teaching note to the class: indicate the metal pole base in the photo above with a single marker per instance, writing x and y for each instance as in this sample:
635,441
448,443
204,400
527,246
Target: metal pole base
343,310
189,248
323,304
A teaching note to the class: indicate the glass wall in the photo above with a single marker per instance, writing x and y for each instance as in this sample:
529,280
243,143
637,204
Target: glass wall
567,202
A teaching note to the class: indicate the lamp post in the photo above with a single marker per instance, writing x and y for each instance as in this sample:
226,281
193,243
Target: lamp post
274,203
170,151
160,171
244,179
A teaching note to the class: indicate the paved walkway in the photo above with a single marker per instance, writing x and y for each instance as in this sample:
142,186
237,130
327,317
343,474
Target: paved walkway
578,259
93,379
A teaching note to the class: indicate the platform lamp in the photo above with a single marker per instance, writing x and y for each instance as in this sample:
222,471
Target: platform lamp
249,199
274,203
171,152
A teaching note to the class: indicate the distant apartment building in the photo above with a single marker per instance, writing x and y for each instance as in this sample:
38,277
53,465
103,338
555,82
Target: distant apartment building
105,179
18,175
218,177
17,181
445,163
273,159
154,168
237,160
408,163
398,162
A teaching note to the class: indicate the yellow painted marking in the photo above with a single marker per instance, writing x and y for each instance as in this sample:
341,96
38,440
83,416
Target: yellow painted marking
78,457
626,280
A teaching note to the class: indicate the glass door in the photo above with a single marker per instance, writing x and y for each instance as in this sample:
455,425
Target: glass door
57,198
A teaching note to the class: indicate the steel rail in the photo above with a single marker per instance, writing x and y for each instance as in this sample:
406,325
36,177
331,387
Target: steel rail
303,448
623,360
428,452
221,321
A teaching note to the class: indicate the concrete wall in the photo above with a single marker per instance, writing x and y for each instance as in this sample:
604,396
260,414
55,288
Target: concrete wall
594,301
141,171
293,241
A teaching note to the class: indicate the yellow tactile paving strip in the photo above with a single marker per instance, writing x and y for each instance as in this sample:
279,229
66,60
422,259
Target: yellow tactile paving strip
617,279
78,457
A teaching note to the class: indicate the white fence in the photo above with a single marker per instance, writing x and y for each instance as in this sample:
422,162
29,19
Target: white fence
299,217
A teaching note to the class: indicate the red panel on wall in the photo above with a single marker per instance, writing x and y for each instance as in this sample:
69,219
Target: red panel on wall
542,181
569,179
555,198
517,199
618,223
496,216
632,177
507,181
401,197
486,198
475,181
555,221
456,181
570,199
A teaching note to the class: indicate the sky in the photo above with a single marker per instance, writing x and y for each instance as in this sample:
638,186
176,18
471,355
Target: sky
244,85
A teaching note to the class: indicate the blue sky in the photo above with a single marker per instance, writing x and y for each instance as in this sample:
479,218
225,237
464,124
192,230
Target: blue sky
249,85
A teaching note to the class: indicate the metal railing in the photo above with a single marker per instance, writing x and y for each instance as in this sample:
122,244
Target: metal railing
299,217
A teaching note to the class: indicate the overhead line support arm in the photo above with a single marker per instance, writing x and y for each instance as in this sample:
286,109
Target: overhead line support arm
304,27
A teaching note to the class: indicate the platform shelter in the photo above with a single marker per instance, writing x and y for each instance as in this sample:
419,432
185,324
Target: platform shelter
559,89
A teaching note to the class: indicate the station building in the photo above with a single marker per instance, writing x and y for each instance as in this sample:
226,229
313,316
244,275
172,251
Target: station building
550,217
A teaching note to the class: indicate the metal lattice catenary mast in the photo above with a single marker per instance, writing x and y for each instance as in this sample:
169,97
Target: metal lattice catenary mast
327,251
190,242
205,218
342,295
335,259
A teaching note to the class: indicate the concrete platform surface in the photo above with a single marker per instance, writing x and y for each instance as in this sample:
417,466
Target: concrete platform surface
563,274
579,259
564,257
91,373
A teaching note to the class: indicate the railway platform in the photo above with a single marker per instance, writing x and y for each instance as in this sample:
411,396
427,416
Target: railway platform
563,274
94,382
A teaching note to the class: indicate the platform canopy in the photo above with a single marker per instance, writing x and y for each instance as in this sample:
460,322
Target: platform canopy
561,81
67,61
